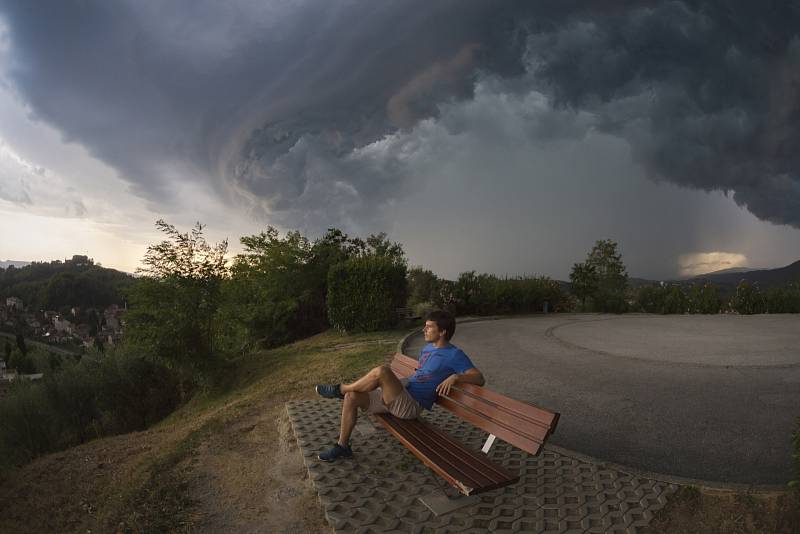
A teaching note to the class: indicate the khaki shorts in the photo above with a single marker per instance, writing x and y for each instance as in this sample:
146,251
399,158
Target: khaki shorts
403,406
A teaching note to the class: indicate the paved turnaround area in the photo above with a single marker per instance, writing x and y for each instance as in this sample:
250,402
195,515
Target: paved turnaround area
709,397
378,489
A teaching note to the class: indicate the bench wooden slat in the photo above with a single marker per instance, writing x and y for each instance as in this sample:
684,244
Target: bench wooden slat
404,366
507,434
491,471
449,454
518,429
469,471
545,417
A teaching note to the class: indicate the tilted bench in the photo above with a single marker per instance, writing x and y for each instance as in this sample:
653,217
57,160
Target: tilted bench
523,425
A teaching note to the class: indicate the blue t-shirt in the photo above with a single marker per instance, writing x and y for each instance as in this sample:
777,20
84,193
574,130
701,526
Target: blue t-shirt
434,366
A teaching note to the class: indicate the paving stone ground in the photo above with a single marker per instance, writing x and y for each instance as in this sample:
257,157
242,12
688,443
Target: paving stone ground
378,490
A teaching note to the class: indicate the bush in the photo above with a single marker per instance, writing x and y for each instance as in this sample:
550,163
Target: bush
423,286
704,299
487,294
783,300
119,393
365,292
748,299
675,301
650,298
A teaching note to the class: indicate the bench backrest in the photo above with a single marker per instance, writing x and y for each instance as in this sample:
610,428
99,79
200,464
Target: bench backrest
521,424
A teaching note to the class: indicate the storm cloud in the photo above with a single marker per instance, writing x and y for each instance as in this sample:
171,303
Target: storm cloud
313,114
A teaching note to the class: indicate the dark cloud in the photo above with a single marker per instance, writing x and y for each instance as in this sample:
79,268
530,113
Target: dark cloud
322,113
707,93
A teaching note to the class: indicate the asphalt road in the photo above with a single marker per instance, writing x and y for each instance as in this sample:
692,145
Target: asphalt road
707,397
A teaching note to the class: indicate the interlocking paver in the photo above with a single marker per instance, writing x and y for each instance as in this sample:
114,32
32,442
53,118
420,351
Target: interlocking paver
377,490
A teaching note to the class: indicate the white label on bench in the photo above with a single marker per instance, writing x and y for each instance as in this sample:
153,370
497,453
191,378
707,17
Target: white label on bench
488,444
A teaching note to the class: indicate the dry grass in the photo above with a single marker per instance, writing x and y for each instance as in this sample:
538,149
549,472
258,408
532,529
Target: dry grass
227,461
694,511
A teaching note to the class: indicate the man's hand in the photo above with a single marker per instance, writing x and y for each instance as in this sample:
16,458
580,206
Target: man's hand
444,387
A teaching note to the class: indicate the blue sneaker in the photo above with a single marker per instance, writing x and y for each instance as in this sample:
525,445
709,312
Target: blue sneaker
336,452
329,391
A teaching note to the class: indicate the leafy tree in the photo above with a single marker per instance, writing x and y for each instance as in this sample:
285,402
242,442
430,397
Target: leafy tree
675,300
365,292
584,280
748,299
650,298
704,298
783,299
467,291
423,286
275,291
174,304
23,348
611,278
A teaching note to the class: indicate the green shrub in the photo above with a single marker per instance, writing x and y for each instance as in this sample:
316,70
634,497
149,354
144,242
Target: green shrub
783,299
704,299
365,292
748,299
485,294
675,301
27,428
650,298
118,393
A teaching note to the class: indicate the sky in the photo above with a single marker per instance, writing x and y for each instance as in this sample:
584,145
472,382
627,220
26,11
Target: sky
501,137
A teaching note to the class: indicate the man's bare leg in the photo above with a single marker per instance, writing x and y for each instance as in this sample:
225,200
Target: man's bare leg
380,377
353,400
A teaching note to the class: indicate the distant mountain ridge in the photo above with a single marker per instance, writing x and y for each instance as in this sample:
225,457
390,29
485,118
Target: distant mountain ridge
730,270
763,277
728,279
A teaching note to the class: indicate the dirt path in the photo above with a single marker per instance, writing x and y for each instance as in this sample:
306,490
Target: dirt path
250,477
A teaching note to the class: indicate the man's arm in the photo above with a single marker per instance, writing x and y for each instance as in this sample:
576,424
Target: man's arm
470,376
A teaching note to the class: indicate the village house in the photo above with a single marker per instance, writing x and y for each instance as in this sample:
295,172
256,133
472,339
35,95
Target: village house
50,315
14,303
80,261
54,336
62,325
112,316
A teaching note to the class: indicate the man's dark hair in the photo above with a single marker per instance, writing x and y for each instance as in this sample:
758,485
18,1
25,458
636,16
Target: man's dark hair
444,321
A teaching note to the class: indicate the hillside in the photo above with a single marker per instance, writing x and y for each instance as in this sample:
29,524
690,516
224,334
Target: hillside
225,462
765,278
55,284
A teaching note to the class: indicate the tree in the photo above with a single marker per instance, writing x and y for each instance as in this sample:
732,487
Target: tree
748,299
8,351
704,299
423,286
584,281
174,303
277,289
608,295
23,348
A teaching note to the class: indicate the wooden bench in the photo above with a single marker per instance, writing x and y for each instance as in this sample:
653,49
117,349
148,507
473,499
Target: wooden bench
523,425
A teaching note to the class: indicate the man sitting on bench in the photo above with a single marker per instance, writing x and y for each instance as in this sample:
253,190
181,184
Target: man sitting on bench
441,365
